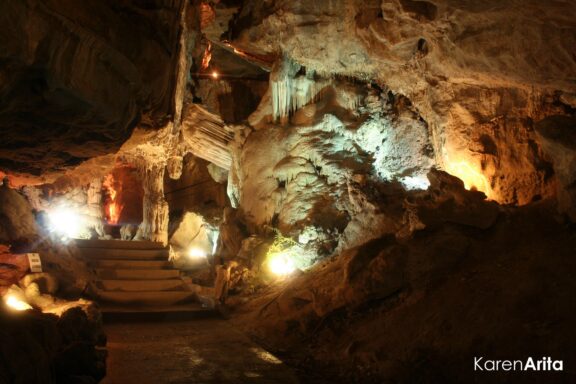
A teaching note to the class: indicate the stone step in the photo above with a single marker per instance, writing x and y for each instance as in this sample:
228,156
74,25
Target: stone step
142,285
138,274
124,254
163,298
132,264
118,244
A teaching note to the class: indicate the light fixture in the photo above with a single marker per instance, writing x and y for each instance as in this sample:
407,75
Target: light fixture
65,222
280,264
16,304
215,74
197,253
415,183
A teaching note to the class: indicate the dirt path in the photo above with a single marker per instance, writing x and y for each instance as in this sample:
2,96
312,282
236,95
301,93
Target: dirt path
188,351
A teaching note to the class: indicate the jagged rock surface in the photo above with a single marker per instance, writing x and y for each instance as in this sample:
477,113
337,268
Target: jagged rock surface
420,309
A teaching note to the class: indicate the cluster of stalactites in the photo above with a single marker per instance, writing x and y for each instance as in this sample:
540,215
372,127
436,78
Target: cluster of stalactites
207,136
292,88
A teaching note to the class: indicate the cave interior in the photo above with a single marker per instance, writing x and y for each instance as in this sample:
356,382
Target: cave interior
271,191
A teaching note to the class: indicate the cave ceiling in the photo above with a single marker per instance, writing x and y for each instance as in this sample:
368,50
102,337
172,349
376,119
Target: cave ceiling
77,77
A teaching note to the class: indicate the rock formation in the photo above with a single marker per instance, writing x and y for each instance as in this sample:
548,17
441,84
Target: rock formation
407,167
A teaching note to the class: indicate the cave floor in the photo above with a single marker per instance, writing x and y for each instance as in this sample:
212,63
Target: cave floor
202,350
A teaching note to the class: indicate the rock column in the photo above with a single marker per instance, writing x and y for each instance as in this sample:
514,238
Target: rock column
154,225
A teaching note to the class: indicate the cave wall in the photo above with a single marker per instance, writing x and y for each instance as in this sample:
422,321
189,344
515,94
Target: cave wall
76,77
479,74
129,194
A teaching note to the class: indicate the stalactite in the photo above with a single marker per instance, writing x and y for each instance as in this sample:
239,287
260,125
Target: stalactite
292,90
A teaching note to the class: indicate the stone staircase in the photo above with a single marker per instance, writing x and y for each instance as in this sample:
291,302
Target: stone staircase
136,276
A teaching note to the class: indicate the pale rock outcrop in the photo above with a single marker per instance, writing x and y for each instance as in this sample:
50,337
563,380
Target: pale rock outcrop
333,146
220,175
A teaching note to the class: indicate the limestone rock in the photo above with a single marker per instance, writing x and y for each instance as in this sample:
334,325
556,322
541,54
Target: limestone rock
128,231
450,202
220,175
41,348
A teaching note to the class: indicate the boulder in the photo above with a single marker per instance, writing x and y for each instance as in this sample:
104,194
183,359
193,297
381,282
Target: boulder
42,348
448,201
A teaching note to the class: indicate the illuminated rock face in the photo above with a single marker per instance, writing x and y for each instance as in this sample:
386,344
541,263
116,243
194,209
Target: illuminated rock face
478,74
316,148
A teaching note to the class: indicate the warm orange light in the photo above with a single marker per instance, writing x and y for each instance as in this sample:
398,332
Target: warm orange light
15,303
114,212
112,208
207,57
215,74
472,178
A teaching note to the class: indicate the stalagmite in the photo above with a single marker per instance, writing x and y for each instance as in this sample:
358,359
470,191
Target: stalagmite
94,205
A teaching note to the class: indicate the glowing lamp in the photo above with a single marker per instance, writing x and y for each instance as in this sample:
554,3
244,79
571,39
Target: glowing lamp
16,304
196,253
215,74
65,222
280,264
